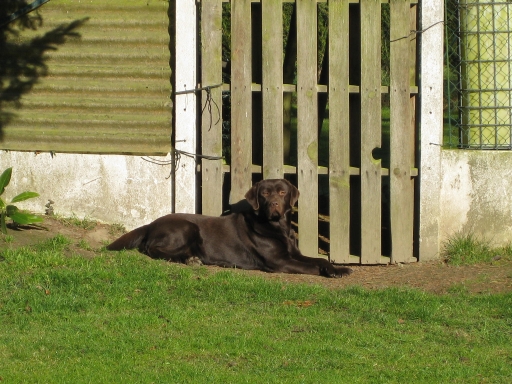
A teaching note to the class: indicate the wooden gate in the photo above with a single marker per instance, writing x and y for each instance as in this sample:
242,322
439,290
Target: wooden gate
339,121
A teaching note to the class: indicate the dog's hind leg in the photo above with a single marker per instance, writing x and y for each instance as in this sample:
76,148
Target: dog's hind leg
130,240
176,240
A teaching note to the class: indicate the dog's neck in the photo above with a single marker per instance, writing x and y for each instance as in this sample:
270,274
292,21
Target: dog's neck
260,223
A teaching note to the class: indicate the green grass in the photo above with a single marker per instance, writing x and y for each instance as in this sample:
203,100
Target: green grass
8,239
85,223
116,229
468,249
121,317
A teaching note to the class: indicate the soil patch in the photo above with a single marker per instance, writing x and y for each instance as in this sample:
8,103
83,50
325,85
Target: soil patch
435,277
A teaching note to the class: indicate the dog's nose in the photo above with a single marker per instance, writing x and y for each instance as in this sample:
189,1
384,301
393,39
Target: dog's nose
274,204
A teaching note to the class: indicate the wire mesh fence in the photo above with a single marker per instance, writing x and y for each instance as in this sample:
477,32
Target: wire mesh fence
478,74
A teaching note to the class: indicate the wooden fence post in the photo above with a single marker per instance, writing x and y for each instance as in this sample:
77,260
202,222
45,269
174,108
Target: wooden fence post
431,112
185,107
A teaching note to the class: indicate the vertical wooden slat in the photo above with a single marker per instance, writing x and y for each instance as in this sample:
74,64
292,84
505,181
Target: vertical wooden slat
211,56
339,122
307,123
402,155
370,131
272,42
241,111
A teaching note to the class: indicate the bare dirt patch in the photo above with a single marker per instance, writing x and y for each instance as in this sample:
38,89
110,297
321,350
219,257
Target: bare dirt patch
436,277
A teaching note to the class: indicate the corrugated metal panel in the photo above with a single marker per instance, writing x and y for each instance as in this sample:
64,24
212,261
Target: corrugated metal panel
107,90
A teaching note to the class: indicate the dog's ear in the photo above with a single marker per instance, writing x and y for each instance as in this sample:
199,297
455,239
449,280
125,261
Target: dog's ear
252,196
294,193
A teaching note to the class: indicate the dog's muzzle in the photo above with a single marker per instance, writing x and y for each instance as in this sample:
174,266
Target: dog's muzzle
274,211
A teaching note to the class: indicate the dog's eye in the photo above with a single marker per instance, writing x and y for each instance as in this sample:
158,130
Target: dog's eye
264,194
282,193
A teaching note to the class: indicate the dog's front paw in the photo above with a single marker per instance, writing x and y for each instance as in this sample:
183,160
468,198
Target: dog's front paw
343,271
194,261
338,272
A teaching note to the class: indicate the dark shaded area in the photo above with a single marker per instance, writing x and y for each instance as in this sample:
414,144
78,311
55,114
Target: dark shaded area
355,128
23,63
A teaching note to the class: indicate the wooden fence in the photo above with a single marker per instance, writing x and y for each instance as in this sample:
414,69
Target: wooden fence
356,179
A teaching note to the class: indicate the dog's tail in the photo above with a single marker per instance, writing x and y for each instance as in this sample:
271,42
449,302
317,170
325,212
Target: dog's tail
129,240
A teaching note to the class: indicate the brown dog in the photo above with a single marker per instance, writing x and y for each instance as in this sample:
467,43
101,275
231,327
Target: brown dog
257,238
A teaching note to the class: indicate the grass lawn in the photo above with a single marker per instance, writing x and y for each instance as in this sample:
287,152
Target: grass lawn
121,317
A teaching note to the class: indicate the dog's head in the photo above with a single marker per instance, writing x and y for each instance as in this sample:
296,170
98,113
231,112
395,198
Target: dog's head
272,198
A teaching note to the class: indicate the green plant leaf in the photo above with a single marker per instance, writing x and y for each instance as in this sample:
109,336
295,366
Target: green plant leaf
25,218
11,209
3,227
24,196
2,205
5,179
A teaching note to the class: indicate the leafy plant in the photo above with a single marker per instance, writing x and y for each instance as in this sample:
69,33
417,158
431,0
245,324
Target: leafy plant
9,210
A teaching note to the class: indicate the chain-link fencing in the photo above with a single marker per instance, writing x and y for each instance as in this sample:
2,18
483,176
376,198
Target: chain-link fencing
478,74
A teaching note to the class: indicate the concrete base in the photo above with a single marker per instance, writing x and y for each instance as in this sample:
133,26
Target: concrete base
110,188
476,195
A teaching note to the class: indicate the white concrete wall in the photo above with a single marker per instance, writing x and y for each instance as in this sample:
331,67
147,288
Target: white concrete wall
109,188
476,195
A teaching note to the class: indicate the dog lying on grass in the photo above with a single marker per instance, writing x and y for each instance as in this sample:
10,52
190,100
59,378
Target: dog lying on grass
259,238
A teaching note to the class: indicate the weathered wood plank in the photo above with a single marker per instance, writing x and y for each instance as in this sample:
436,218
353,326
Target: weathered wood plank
339,140
307,123
241,99
402,151
272,90
211,126
371,210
